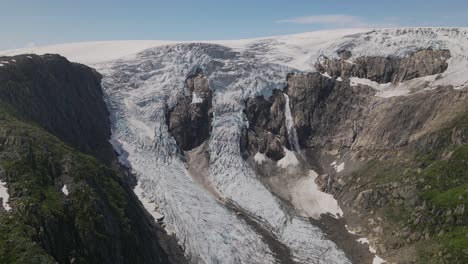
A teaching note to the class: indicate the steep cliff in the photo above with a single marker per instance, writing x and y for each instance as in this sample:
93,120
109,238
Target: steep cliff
189,121
65,206
386,69
62,98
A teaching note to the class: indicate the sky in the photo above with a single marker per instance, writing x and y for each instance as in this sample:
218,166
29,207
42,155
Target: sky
26,23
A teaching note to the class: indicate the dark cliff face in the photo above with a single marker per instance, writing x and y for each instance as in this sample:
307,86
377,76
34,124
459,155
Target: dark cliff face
62,97
386,69
322,108
189,121
267,133
50,111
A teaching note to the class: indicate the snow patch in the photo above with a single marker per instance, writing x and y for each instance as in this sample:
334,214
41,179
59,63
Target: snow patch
350,231
196,99
363,240
326,75
385,90
4,195
65,189
377,259
307,197
288,160
339,79
338,167
260,158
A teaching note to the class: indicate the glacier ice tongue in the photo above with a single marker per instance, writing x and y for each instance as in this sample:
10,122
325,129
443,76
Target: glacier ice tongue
139,90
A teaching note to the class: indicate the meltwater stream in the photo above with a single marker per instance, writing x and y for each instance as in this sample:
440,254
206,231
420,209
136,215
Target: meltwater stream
292,133
138,91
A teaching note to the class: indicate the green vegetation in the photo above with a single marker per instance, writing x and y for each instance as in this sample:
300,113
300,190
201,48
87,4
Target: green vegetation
35,164
448,180
440,177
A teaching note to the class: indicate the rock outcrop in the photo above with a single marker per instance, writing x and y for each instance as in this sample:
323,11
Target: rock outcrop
386,69
326,113
267,133
189,121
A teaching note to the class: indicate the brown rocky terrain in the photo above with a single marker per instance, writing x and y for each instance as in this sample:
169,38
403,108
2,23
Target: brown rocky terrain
405,174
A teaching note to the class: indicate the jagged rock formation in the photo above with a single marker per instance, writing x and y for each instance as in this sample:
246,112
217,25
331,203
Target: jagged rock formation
67,207
326,113
386,69
190,119
267,132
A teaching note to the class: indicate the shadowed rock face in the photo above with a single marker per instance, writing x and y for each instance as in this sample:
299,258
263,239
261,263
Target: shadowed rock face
334,115
386,69
325,113
323,107
64,98
189,121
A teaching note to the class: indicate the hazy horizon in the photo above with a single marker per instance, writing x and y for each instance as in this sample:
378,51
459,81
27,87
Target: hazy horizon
26,23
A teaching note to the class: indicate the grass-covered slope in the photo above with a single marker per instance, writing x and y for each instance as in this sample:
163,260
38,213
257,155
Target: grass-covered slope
94,223
418,202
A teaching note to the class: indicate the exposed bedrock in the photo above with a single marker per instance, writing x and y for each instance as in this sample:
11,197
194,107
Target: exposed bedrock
334,116
189,121
386,69
325,113
408,123
267,131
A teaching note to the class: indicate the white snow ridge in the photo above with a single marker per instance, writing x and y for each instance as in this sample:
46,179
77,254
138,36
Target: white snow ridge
143,79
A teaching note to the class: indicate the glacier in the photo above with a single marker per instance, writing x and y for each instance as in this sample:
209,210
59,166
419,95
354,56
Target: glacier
139,90
142,79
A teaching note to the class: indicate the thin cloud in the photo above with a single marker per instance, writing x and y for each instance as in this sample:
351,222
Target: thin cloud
332,21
